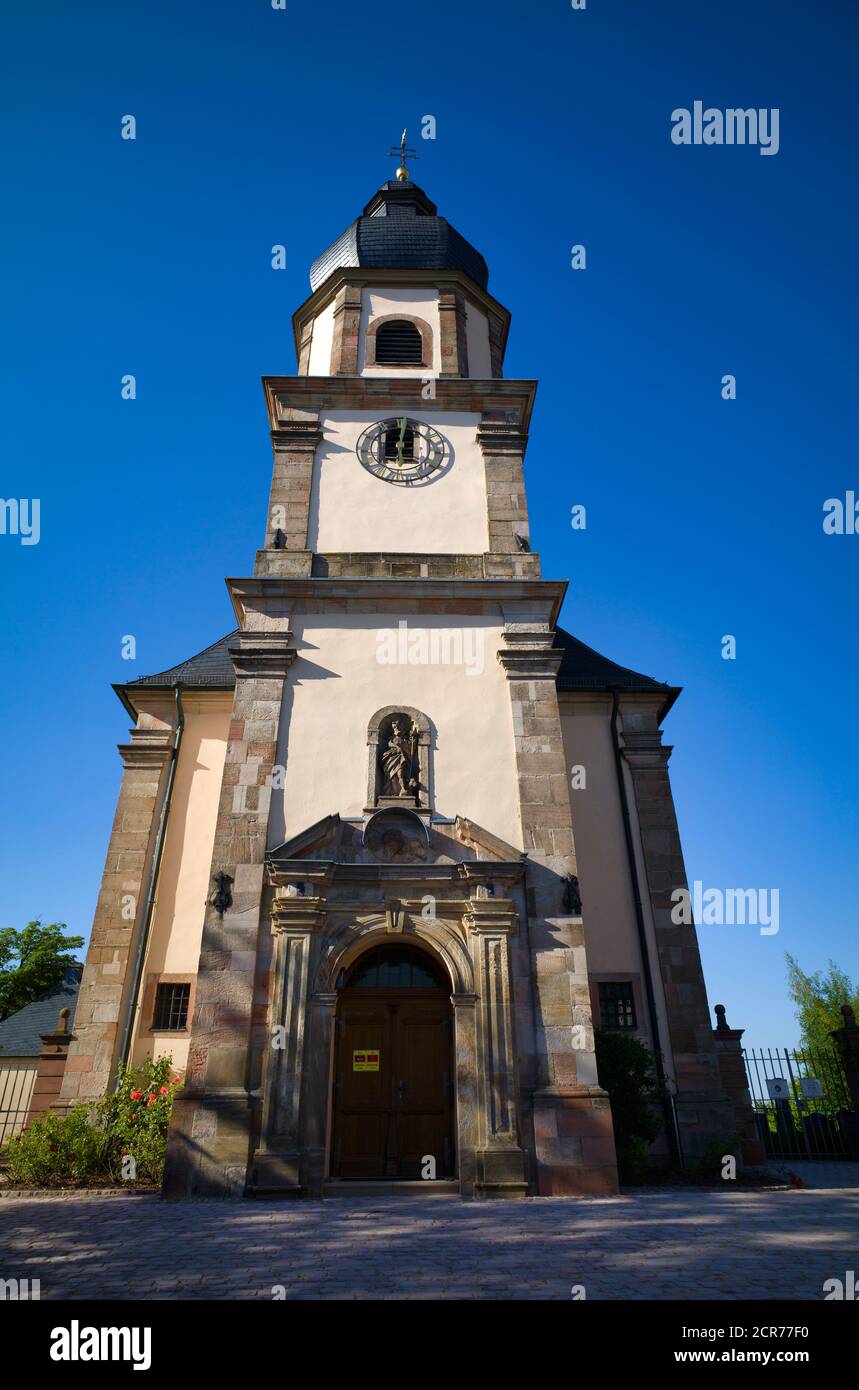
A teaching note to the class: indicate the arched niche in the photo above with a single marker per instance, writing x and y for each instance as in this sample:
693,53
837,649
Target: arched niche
398,746
389,323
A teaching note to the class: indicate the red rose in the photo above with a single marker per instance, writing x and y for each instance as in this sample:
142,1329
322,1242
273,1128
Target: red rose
151,1101
134,1116
136,1095
165,1091
175,1081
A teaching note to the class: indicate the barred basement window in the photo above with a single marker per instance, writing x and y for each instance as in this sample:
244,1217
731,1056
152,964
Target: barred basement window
171,1008
399,344
617,1005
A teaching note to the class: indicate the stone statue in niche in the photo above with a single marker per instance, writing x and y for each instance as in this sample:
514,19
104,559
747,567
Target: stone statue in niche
398,760
572,896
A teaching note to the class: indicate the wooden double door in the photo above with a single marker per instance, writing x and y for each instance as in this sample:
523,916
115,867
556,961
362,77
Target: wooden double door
393,1084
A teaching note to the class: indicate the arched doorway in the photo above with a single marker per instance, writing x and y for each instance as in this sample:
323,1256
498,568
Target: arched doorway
393,1067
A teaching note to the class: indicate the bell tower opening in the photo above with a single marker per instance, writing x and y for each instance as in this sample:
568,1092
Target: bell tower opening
393,1068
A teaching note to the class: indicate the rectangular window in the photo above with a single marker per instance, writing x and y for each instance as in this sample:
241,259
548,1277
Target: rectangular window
617,1005
171,1008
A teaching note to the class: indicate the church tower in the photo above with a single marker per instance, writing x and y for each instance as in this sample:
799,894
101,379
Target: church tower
392,977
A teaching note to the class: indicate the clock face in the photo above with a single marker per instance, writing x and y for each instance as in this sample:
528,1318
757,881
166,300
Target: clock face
401,451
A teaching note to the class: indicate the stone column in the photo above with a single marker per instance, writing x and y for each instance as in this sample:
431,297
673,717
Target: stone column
500,1161
573,1135
316,1092
295,919
704,1112
304,345
732,1070
452,333
466,1064
503,443
209,1140
287,525
120,909
347,327
50,1067
496,345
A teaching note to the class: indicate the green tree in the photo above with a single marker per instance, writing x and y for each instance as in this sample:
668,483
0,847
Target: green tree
818,999
32,961
627,1070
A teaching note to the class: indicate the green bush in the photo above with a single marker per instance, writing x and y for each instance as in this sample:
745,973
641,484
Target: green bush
627,1070
709,1163
96,1141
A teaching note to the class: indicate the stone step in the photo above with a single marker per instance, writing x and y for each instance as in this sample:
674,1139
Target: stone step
391,1187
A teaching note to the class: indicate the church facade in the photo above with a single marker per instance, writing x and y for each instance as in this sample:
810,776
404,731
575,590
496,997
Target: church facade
387,853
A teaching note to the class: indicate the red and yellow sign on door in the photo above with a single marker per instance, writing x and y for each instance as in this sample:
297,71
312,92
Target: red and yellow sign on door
366,1060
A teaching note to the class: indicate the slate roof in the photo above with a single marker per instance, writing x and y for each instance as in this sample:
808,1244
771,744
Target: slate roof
211,669
582,668
400,229
20,1033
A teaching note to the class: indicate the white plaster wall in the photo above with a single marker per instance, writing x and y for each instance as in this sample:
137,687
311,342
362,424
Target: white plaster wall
612,942
611,932
183,882
477,343
378,302
351,510
337,684
321,342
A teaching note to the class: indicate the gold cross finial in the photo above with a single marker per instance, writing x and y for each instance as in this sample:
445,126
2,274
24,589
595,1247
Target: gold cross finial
402,152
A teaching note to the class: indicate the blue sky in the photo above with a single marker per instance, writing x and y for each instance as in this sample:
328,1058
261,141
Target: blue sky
257,127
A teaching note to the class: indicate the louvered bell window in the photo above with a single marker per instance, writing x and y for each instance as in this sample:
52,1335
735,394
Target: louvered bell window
399,344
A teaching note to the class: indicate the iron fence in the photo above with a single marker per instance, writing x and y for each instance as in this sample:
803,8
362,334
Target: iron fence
802,1104
16,1091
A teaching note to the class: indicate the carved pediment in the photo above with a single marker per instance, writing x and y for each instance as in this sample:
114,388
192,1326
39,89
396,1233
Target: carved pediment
394,838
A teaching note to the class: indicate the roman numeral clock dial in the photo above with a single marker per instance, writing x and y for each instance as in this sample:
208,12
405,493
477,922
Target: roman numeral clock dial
401,451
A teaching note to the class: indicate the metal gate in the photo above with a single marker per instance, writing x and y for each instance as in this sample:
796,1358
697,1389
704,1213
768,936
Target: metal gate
802,1105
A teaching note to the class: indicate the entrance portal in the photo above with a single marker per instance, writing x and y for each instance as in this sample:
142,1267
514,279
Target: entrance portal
393,1073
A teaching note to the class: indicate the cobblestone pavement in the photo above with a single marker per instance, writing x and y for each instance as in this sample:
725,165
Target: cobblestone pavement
656,1244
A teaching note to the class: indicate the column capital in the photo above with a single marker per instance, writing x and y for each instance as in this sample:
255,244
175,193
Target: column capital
297,436
530,655
263,655
149,748
489,917
646,750
502,437
293,913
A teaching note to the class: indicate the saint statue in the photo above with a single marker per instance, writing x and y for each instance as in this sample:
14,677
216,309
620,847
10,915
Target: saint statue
397,761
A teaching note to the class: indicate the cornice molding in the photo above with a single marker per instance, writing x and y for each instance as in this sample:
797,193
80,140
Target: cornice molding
508,598
294,403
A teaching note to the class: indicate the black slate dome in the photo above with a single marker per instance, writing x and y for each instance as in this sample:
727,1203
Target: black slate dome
400,230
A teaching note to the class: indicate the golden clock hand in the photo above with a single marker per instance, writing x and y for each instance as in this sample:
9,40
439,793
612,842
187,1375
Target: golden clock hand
401,442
